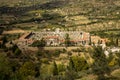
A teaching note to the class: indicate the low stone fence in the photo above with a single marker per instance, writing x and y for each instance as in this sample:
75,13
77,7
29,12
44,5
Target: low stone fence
67,48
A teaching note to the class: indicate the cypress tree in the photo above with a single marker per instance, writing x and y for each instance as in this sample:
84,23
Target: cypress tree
67,40
71,64
55,69
117,41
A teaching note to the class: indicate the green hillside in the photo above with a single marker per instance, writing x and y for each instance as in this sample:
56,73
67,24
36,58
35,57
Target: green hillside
79,14
24,56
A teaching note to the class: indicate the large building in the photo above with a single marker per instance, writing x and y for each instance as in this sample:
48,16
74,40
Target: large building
57,38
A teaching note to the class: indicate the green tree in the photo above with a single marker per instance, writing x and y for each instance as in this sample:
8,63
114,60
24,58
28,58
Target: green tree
4,41
100,66
17,52
110,59
80,63
1,31
67,40
0,45
70,75
55,69
5,69
117,41
112,42
71,64
26,70
40,43
118,58
77,64
14,48
56,53
61,67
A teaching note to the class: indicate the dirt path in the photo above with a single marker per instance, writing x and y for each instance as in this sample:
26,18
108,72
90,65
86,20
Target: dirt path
14,31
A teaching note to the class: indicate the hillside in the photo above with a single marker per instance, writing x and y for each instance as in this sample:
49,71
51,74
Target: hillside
79,14
31,49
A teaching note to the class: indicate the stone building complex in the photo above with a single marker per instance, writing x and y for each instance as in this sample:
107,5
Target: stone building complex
57,37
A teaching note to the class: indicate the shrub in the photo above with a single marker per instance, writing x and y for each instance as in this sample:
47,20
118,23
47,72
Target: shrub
78,63
61,67
69,53
55,69
56,53
64,50
17,52
26,70
45,60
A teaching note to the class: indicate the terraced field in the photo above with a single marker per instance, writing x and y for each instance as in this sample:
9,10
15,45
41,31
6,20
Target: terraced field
87,15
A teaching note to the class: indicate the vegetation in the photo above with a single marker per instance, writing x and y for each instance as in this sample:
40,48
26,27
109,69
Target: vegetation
40,43
55,69
5,69
78,64
67,40
100,65
44,65
99,17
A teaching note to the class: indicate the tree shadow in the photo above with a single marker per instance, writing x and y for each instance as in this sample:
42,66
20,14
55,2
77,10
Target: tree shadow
112,78
22,10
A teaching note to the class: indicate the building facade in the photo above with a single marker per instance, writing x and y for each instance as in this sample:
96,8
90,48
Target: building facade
57,38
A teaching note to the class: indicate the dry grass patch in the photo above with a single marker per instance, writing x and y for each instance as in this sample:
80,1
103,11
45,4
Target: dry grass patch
14,31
